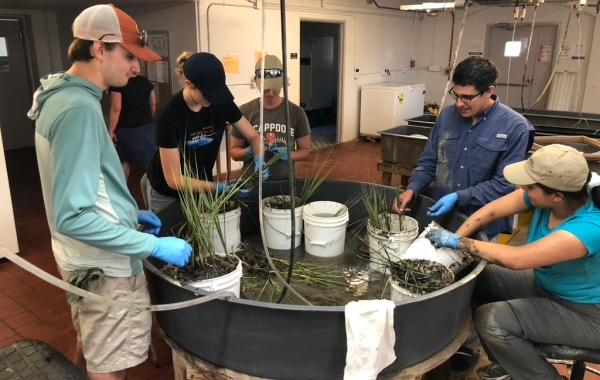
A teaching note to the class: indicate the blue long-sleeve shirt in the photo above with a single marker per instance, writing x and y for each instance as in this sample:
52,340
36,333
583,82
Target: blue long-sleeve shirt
469,159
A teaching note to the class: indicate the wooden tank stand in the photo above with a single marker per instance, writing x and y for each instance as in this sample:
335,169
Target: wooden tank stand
387,169
189,367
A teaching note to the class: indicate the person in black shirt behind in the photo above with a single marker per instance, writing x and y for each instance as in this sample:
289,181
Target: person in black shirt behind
132,126
192,124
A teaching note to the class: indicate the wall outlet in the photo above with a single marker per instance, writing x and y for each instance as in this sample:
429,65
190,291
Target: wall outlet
434,68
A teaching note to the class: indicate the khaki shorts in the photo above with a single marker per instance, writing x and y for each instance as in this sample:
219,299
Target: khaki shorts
113,339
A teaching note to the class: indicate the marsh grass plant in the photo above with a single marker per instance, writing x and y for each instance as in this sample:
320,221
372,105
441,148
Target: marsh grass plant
261,283
202,217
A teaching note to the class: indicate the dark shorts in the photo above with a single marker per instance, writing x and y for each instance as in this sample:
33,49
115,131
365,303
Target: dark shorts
137,145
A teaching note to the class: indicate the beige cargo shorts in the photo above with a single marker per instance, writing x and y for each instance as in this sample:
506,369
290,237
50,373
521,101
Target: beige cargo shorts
113,338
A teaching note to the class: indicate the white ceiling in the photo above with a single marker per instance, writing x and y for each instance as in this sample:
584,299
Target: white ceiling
58,4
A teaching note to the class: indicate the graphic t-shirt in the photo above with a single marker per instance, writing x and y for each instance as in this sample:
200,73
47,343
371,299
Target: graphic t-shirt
275,130
197,135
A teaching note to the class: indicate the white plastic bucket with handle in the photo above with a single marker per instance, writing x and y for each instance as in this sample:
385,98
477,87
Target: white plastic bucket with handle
389,246
230,282
230,228
398,293
325,228
278,226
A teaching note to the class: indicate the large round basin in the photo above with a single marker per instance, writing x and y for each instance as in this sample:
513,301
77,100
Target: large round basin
300,342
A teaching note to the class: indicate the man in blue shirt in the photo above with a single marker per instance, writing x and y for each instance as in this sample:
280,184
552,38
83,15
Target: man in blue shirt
469,147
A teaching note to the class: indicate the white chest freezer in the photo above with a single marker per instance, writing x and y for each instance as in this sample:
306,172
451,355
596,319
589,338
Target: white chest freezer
387,105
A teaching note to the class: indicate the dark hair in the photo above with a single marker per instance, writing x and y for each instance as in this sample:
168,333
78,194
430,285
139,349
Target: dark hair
81,50
478,72
576,198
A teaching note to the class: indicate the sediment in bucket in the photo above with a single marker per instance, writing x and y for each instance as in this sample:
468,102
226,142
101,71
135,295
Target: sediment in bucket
325,228
278,226
400,293
229,282
385,246
230,228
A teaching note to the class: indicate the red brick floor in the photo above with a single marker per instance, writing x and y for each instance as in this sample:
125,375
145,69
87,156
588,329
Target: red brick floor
32,309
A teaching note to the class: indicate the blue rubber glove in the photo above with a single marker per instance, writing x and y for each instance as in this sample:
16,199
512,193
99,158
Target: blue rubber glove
444,206
281,152
222,188
249,153
173,251
258,163
444,238
149,219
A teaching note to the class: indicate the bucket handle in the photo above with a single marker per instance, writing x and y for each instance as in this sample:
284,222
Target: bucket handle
321,243
287,236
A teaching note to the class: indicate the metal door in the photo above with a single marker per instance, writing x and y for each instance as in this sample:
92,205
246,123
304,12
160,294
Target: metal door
15,93
539,66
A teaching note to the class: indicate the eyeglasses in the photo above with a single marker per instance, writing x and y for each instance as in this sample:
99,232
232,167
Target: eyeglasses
464,98
270,73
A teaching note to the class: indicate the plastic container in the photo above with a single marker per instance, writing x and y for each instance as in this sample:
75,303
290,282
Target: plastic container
230,282
230,228
384,246
278,226
399,293
421,248
325,228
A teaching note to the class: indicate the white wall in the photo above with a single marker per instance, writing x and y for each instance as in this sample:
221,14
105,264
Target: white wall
8,232
591,96
371,40
178,19
435,42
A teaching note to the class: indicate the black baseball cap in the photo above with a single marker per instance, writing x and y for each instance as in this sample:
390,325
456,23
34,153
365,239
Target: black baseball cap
206,72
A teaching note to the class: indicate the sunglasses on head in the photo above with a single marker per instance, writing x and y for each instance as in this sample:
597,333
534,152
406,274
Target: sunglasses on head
143,37
270,73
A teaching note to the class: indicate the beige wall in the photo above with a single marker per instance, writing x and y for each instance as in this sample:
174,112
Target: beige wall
434,43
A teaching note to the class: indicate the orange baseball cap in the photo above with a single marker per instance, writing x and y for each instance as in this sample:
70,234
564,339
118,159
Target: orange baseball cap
107,23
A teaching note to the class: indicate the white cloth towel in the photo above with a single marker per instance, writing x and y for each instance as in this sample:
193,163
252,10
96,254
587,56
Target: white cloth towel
370,338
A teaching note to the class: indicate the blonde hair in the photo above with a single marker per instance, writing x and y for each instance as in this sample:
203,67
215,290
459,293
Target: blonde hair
180,61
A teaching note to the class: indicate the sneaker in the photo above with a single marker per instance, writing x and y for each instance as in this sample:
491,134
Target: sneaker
465,359
493,371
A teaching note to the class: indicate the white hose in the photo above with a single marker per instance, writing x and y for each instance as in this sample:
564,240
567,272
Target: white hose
26,265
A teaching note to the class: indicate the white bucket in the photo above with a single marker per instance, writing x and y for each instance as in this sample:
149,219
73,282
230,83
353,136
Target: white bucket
325,228
230,228
398,293
229,282
384,246
278,226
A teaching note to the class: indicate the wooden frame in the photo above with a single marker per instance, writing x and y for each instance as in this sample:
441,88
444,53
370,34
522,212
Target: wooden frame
541,141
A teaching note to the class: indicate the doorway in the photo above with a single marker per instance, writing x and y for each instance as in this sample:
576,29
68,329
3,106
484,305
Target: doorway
319,79
522,93
15,85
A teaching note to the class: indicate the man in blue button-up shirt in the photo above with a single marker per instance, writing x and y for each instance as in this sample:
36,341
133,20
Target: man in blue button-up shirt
469,147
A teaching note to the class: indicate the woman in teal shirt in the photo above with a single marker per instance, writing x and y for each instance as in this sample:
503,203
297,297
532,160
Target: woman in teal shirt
547,291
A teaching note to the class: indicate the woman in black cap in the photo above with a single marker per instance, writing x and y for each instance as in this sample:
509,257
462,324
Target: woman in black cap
191,126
